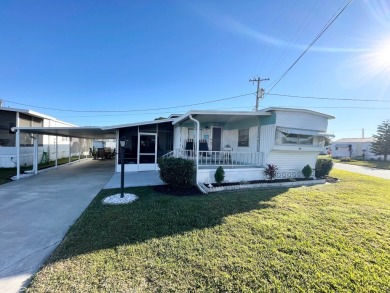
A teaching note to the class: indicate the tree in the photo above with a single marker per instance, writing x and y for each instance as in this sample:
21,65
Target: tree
381,144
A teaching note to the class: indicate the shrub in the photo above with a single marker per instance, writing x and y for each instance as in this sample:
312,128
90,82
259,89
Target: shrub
323,167
219,175
177,172
270,171
307,171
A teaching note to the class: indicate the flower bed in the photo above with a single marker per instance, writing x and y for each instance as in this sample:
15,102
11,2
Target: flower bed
262,184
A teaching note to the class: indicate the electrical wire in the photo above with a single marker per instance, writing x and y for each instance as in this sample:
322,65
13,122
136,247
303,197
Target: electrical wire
335,99
329,23
134,110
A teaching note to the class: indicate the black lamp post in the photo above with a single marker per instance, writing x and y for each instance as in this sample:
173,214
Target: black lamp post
122,143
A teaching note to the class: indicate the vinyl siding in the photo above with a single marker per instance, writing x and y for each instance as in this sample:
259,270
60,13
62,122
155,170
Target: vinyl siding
292,160
301,120
267,139
230,137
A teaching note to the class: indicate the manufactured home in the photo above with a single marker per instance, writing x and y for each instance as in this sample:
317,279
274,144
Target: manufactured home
355,148
242,142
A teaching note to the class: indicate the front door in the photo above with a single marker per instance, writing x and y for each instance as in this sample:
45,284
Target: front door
147,152
216,133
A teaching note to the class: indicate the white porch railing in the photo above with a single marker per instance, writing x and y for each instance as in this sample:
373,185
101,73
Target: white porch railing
220,158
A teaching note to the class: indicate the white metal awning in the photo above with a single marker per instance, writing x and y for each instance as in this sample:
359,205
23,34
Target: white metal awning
304,132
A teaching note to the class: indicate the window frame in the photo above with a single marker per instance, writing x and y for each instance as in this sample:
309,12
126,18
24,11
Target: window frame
243,138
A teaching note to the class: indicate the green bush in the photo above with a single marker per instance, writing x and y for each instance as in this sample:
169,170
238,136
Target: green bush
307,171
323,167
177,172
219,175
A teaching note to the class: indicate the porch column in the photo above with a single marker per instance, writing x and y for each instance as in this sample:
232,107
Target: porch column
17,142
197,144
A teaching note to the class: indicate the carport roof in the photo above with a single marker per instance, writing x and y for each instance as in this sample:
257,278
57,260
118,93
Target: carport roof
80,132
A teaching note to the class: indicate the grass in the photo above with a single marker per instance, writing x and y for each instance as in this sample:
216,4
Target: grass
325,238
6,173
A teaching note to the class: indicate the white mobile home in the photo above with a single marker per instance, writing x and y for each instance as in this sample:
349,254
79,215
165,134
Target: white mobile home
354,147
242,142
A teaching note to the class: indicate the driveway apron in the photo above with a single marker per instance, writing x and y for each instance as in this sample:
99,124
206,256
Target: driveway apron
36,212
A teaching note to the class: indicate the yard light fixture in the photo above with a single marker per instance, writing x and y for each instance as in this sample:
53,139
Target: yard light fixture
122,143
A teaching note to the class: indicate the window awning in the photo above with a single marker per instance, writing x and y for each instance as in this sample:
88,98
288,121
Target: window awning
304,132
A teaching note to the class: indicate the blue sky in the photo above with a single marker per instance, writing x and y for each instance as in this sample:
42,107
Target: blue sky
146,56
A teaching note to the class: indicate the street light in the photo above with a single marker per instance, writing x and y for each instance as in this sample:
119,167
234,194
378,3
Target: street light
122,143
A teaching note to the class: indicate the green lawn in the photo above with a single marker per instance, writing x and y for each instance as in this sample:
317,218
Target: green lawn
332,237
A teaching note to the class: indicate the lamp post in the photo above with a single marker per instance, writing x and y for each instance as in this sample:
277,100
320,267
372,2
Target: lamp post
122,143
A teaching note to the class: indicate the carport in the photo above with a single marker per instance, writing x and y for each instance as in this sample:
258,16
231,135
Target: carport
70,132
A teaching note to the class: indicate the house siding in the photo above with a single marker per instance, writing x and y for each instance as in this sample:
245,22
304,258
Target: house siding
301,120
292,160
230,137
267,139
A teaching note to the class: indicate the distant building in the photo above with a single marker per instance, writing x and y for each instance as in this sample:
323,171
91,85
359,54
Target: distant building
354,147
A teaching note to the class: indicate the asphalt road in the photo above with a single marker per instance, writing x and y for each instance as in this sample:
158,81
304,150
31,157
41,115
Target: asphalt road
364,170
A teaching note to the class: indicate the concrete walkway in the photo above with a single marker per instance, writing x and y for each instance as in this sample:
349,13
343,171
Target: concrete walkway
36,213
143,178
364,170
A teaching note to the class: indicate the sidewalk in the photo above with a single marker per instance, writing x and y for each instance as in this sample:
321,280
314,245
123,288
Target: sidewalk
364,170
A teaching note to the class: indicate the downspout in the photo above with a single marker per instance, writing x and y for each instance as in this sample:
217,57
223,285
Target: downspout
197,152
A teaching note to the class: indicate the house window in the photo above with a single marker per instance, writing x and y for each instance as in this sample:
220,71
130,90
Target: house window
243,137
291,137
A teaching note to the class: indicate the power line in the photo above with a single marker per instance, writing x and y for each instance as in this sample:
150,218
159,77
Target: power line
322,98
330,22
134,110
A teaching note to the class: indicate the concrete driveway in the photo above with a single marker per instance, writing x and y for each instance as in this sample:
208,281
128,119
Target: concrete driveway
36,213
364,170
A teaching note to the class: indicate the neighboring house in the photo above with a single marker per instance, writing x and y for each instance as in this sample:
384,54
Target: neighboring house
355,147
11,117
242,142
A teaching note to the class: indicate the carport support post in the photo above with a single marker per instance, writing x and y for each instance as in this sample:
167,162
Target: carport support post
79,148
70,147
17,142
35,139
56,151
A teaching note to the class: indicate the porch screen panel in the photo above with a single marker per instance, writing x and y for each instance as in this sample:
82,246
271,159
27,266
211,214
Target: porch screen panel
164,139
25,121
7,121
131,134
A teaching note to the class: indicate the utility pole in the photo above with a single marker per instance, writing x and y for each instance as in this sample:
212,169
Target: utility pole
260,92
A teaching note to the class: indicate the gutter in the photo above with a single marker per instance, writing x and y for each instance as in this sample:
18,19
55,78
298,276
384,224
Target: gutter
197,153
